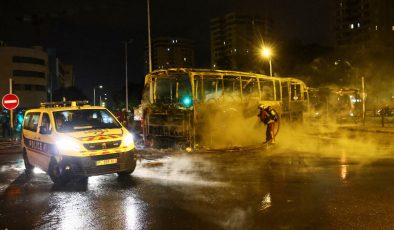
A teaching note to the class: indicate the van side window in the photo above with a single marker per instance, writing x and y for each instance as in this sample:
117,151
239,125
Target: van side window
45,120
31,121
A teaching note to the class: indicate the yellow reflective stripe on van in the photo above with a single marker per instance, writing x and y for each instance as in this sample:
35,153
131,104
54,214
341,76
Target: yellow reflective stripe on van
104,152
100,138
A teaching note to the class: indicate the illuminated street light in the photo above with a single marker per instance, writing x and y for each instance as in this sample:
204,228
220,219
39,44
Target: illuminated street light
267,53
94,93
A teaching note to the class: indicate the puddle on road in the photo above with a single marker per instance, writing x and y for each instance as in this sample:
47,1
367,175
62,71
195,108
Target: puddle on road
185,169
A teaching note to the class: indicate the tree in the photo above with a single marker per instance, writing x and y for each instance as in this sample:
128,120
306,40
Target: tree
134,93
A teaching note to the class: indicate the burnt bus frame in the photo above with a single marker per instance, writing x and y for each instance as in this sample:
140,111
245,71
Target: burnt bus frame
290,102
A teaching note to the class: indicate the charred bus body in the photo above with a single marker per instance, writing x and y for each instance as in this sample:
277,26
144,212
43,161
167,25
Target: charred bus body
336,104
214,108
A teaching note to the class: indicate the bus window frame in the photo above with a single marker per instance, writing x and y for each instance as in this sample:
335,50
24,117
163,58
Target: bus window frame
250,79
262,79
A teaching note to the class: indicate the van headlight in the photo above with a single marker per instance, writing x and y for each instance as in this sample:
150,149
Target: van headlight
68,144
128,140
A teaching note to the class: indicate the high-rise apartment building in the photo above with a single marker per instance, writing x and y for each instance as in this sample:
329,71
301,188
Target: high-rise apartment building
236,38
364,24
172,53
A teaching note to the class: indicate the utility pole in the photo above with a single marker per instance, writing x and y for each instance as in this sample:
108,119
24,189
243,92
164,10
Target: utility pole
149,40
127,82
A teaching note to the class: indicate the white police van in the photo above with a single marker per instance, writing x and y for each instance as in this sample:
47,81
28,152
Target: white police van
73,139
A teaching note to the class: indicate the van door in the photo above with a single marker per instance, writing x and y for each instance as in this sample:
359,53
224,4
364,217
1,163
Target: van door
44,141
30,127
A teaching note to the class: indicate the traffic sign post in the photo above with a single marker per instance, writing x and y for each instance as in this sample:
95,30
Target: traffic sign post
10,101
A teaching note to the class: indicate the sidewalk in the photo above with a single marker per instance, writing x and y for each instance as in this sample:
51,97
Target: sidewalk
9,146
368,127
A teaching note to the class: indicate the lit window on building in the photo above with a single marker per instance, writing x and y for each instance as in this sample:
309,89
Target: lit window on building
224,43
392,28
184,59
235,50
358,25
352,26
376,27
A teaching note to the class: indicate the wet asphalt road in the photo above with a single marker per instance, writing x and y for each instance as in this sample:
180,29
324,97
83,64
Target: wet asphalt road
323,182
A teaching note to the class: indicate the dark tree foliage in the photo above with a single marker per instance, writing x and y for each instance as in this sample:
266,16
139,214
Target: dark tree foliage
134,96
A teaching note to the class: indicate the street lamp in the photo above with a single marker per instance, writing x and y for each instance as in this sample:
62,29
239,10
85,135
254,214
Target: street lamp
267,53
101,101
94,93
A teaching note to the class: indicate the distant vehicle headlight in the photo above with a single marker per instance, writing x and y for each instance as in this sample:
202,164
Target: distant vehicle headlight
128,139
68,144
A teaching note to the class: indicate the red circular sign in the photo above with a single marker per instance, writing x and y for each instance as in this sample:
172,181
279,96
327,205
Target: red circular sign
10,101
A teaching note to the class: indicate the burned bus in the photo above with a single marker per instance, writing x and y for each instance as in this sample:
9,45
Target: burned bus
336,104
200,108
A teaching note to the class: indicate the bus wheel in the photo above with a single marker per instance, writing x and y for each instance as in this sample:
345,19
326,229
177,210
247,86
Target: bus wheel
55,173
28,166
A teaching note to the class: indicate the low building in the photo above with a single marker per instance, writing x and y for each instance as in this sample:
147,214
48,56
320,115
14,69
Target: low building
28,67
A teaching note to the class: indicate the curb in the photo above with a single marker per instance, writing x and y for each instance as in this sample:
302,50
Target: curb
371,130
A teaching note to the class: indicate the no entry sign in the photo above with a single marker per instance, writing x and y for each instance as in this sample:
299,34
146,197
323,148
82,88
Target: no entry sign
10,101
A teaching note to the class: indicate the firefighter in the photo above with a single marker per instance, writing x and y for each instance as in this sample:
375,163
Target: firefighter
269,117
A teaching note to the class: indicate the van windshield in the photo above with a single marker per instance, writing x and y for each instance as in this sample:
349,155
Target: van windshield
84,119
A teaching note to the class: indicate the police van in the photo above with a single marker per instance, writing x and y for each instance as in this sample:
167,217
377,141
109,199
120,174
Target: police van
74,139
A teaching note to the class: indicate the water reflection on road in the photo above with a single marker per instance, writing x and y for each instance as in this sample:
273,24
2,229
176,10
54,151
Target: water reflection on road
279,188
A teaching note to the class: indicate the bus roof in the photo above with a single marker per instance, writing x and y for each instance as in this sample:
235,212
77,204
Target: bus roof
170,71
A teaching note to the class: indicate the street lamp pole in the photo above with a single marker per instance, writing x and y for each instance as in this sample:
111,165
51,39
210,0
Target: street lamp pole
94,93
126,77
266,53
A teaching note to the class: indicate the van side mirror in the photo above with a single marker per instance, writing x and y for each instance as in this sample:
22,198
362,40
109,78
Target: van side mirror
44,129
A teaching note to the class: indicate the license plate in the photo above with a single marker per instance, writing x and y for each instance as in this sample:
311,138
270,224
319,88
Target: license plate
106,162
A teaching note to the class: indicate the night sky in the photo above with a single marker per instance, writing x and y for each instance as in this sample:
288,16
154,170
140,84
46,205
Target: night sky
89,33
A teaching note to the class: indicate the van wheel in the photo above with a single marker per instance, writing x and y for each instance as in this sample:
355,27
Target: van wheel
128,172
28,166
55,173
